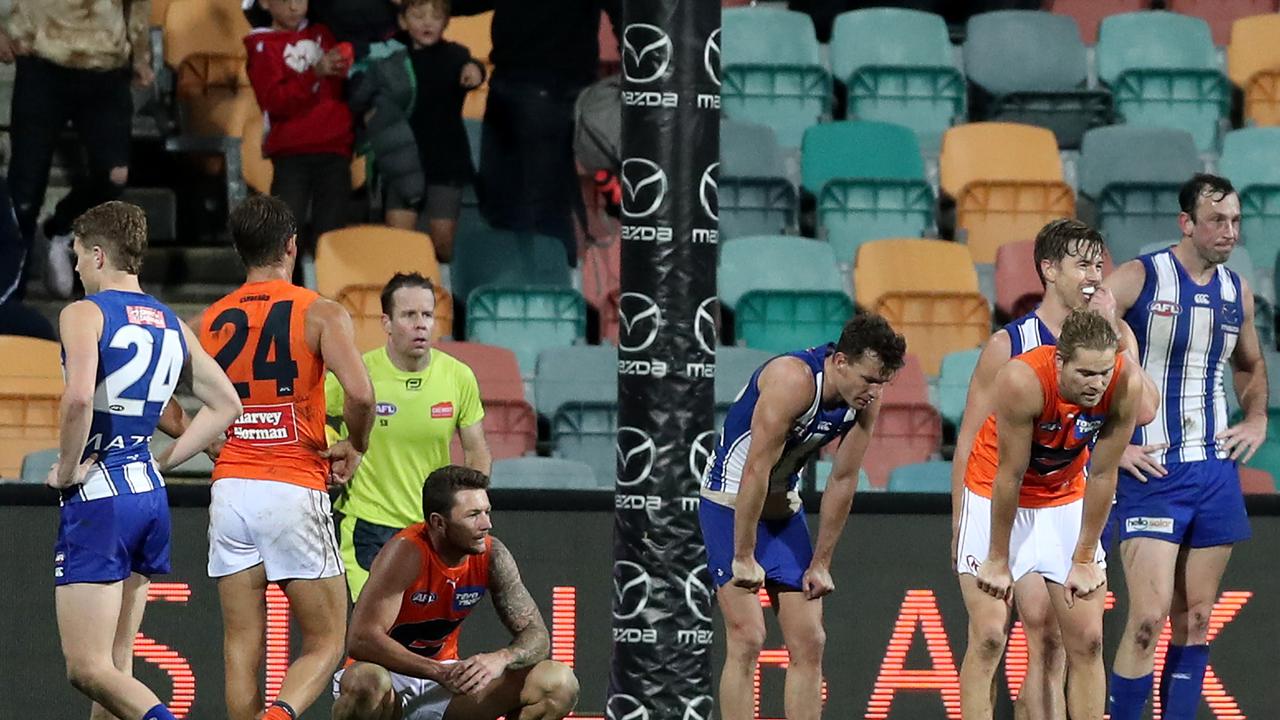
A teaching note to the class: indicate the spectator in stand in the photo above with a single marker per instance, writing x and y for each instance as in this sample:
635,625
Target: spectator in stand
75,60
412,105
297,74
16,318
544,54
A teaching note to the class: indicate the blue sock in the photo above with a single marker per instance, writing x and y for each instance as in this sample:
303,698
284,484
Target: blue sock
159,712
1182,680
1129,696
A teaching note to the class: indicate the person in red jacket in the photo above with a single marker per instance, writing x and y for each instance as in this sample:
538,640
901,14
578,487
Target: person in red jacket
297,72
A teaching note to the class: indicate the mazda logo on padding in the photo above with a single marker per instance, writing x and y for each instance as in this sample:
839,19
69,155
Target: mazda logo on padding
625,707
638,321
636,453
711,57
698,708
630,589
705,329
645,186
709,191
700,452
697,596
646,53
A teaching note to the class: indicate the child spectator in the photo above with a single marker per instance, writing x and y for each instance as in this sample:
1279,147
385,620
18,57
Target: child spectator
412,105
297,75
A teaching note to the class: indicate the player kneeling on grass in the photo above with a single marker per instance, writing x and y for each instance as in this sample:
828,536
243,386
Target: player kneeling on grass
404,629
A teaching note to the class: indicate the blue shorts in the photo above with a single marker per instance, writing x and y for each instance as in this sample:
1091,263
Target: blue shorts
103,541
1198,504
783,547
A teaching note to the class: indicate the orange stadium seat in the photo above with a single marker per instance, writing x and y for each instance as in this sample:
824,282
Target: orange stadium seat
474,32
158,9
1221,14
1006,180
203,45
31,387
1255,481
354,263
937,305
510,424
1253,64
1088,13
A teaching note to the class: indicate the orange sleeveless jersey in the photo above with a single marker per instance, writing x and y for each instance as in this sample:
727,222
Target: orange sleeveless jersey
1059,443
258,335
439,599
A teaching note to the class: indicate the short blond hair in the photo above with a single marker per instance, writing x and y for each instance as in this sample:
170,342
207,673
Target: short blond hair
120,228
1085,329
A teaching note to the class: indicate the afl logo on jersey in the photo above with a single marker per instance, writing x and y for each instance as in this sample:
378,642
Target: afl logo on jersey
1164,308
422,597
386,409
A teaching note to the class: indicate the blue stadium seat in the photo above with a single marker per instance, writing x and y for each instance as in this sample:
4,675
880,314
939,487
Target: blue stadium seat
754,195
540,473
933,476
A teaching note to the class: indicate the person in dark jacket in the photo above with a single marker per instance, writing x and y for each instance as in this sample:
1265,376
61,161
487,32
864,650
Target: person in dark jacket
411,102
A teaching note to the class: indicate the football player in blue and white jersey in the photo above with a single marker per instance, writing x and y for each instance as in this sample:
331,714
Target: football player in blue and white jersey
1179,506
123,354
752,520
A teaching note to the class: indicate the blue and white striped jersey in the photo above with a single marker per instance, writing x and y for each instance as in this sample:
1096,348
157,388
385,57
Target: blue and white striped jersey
1028,333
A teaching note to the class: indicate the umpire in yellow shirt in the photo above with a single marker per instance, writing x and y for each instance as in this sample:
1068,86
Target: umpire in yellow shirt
423,397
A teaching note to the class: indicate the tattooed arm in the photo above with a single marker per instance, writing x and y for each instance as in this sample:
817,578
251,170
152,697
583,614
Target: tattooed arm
530,642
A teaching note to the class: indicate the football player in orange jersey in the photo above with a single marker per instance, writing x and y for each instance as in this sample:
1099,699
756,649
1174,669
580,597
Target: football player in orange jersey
1027,473
405,627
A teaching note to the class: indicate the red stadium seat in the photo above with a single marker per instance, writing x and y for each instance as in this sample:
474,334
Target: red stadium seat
1088,13
1018,288
1255,481
1220,14
510,430
510,425
496,369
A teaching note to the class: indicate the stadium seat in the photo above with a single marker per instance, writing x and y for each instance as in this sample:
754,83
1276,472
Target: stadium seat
31,387
204,49
601,267
897,67
1132,175
1253,64
1030,67
784,320
1163,71
258,170
953,383
36,466
474,32
510,425
587,432
933,476
822,471
526,318
1018,288
577,373
935,304
1251,159
1221,14
908,429
777,262
734,367
540,473
353,264
754,195
1256,481
869,181
772,71
1007,182
1089,13
483,255
1268,455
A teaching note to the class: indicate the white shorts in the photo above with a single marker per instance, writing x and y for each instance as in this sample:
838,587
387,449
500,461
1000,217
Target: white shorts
420,699
285,527
1042,541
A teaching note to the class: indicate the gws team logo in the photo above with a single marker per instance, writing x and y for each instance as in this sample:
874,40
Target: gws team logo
711,57
639,319
625,707
698,708
630,589
636,454
646,53
709,191
644,187
705,326
700,452
697,596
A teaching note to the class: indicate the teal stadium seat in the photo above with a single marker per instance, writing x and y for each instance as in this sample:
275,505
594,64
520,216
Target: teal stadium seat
526,319
822,471
1268,455
734,366
1030,67
897,67
1089,13
784,320
1251,160
772,71
587,433
36,465
1163,71
869,181
1132,175
483,255
754,195
539,473
953,383
576,373
933,476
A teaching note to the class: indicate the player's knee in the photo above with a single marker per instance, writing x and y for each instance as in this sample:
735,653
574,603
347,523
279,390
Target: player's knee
808,648
1147,631
1198,623
119,176
366,686
87,675
1086,646
744,640
555,686
988,642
